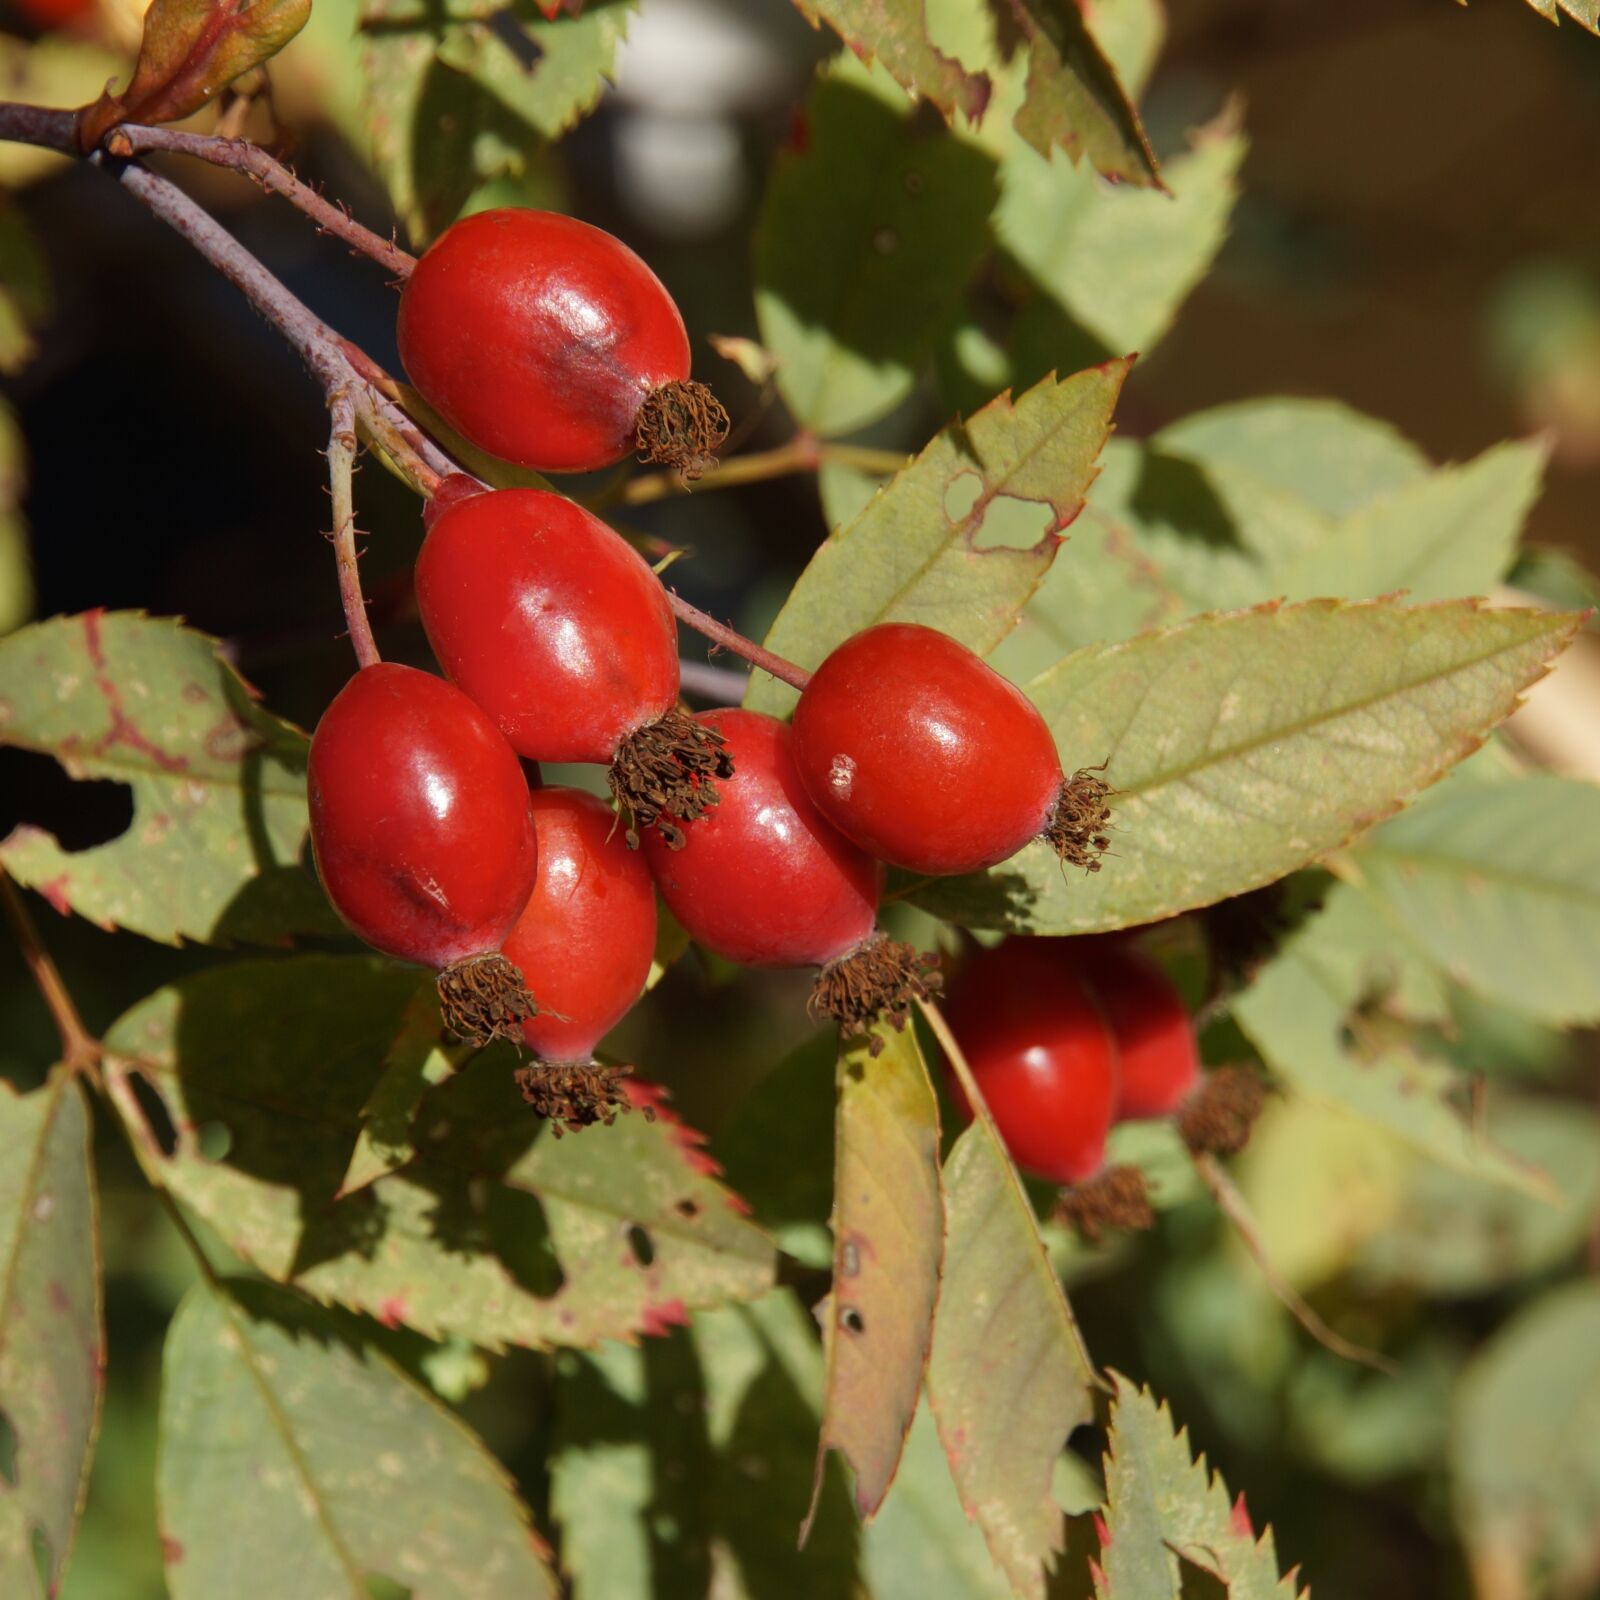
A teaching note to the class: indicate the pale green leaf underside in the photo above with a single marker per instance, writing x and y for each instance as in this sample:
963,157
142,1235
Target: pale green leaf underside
219,821
1163,1504
496,1231
1500,885
52,1355
1009,1378
1246,745
888,1230
296,1460
921,550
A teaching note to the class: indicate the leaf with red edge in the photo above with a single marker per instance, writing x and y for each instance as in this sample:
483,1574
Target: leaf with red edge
888,1242
895,33
495,1229
190,52
1074,98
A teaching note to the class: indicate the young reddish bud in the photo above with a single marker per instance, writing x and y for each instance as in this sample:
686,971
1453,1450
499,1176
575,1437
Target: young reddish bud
548,342
922,754
583,944
557,628
423,836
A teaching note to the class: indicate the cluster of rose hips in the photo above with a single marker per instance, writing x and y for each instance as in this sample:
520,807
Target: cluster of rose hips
550,344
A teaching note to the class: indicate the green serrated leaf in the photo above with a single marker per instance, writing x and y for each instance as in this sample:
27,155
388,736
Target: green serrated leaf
219,804
496,1230
297,1460
1118,262
52,1356
1586,13
894,33
1009,1378
1525,1452
924,549
1244,746
888,1230
1297,1013
1073,98
1163,1506
1500,885
682,1466
866,239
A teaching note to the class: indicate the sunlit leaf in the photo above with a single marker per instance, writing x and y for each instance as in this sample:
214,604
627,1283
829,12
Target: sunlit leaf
52,1356
1246,745
1586,13
960,536
1500,885
496,1230
1525,1453
219,807
1009,1378
895,34
16,565
683,1466
867,237
1164,1506
297,1460
888,1230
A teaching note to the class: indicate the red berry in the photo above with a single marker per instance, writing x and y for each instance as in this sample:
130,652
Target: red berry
1041,1053
420,823
550,343
763,879
1149,1021
557,628
924,755
585,941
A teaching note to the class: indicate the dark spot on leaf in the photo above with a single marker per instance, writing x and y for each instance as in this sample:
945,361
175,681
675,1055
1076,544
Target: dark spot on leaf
8,1451
852,1321
156,1115
688,1208
641,1244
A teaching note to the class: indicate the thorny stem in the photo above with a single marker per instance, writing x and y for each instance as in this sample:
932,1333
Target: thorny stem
720,633
239,155
1233,1206
341,475
333,361
80,1050
803,453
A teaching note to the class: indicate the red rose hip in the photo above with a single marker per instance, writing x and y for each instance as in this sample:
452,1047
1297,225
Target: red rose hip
424,838
548,342
1149,1021
556,626
924,755
766,881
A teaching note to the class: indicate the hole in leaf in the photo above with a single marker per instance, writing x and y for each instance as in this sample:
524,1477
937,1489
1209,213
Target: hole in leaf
43,1559
961,495
687,1208
8,1451
852,1321
155,1112
641,1244
215,1140
379,1587
81,814
1012,524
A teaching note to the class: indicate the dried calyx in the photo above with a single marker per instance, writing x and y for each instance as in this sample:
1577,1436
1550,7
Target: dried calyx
1078,829
681,425
484,998
664,774
1114,1198
577,1094
876,981
1217,1118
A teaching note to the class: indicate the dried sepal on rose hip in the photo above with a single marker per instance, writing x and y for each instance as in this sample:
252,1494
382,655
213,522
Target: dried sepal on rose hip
556,626
924,755
1160,1058
550,343
424,839
766,881
1046,1063
584,944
